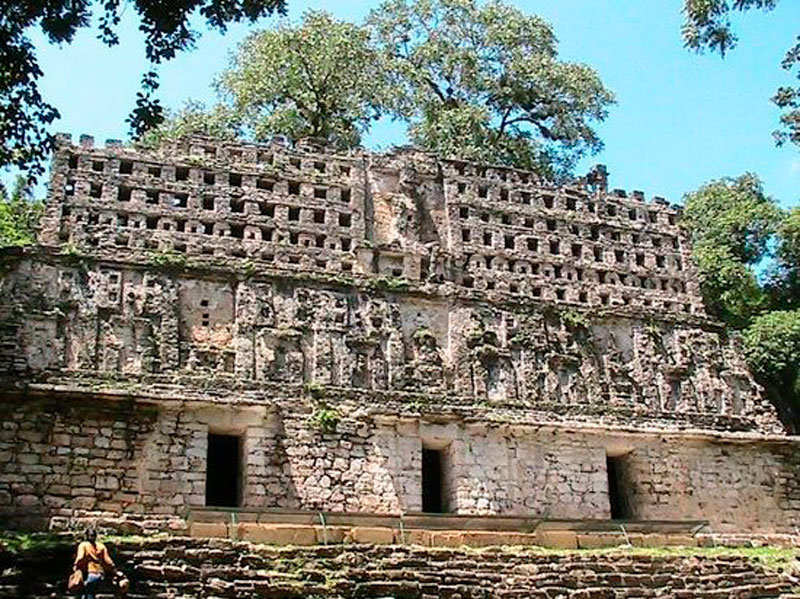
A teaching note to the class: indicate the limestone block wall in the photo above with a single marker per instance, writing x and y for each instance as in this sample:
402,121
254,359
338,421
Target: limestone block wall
726,481
68,460
208,287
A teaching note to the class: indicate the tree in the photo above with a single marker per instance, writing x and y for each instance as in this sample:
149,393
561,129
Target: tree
24,113
193,119
707,26
772,346
784,276
731,222
747,251
485,83
320,79
19,214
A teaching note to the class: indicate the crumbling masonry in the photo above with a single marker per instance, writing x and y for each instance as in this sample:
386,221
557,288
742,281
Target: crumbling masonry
267,326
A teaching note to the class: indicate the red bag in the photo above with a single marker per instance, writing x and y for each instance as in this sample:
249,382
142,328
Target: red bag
75,582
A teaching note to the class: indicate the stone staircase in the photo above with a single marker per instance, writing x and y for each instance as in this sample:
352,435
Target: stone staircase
214,569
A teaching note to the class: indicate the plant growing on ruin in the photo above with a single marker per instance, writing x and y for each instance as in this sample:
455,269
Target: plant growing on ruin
485,82
24,113
314,389
324,419
385,283
169,260
575,320
20,213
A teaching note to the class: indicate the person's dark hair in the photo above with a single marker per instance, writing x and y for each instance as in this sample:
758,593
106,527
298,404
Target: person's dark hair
91,535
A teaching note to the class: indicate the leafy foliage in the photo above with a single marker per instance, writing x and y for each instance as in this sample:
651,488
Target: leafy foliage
784,277
707,25
193,119
478,82
731,222
324,419
733,213
19,215
320,79
772,347
485,82
24,113
735,230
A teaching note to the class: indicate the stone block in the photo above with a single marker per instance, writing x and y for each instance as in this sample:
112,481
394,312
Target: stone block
414,537
680,541
447,538
333,535
371,535
277,534
485,538
597,541
208,529
557,539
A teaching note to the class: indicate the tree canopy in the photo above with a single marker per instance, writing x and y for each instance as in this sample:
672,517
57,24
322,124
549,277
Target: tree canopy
747,251
485,82
477,82
707,25
19,214
25,141
319,79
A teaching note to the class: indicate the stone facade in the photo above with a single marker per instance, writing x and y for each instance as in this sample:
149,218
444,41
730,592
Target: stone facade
339,313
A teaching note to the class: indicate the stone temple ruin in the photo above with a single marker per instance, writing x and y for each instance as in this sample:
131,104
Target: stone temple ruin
276,329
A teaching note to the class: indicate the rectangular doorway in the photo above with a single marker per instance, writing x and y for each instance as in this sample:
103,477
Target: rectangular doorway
619,488
434,488
223,471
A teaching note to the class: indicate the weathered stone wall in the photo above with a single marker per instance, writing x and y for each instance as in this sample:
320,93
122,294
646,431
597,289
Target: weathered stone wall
213,287
728,484
68,461
98,319
194,569
406,214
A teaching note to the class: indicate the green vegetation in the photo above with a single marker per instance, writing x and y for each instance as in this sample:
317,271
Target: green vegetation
19,214
747,251
169,261
167,28
324,419
707,25
772,348
389,283
320,79
18,543
315,390
481,82
484,82
574,320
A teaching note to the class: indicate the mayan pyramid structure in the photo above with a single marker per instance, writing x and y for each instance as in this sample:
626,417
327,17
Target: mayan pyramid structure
280,328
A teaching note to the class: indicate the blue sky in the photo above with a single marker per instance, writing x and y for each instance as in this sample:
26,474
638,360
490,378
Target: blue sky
680,120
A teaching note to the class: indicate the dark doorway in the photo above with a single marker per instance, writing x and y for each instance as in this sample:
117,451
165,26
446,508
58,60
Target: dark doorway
618,488
434,500
223,471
